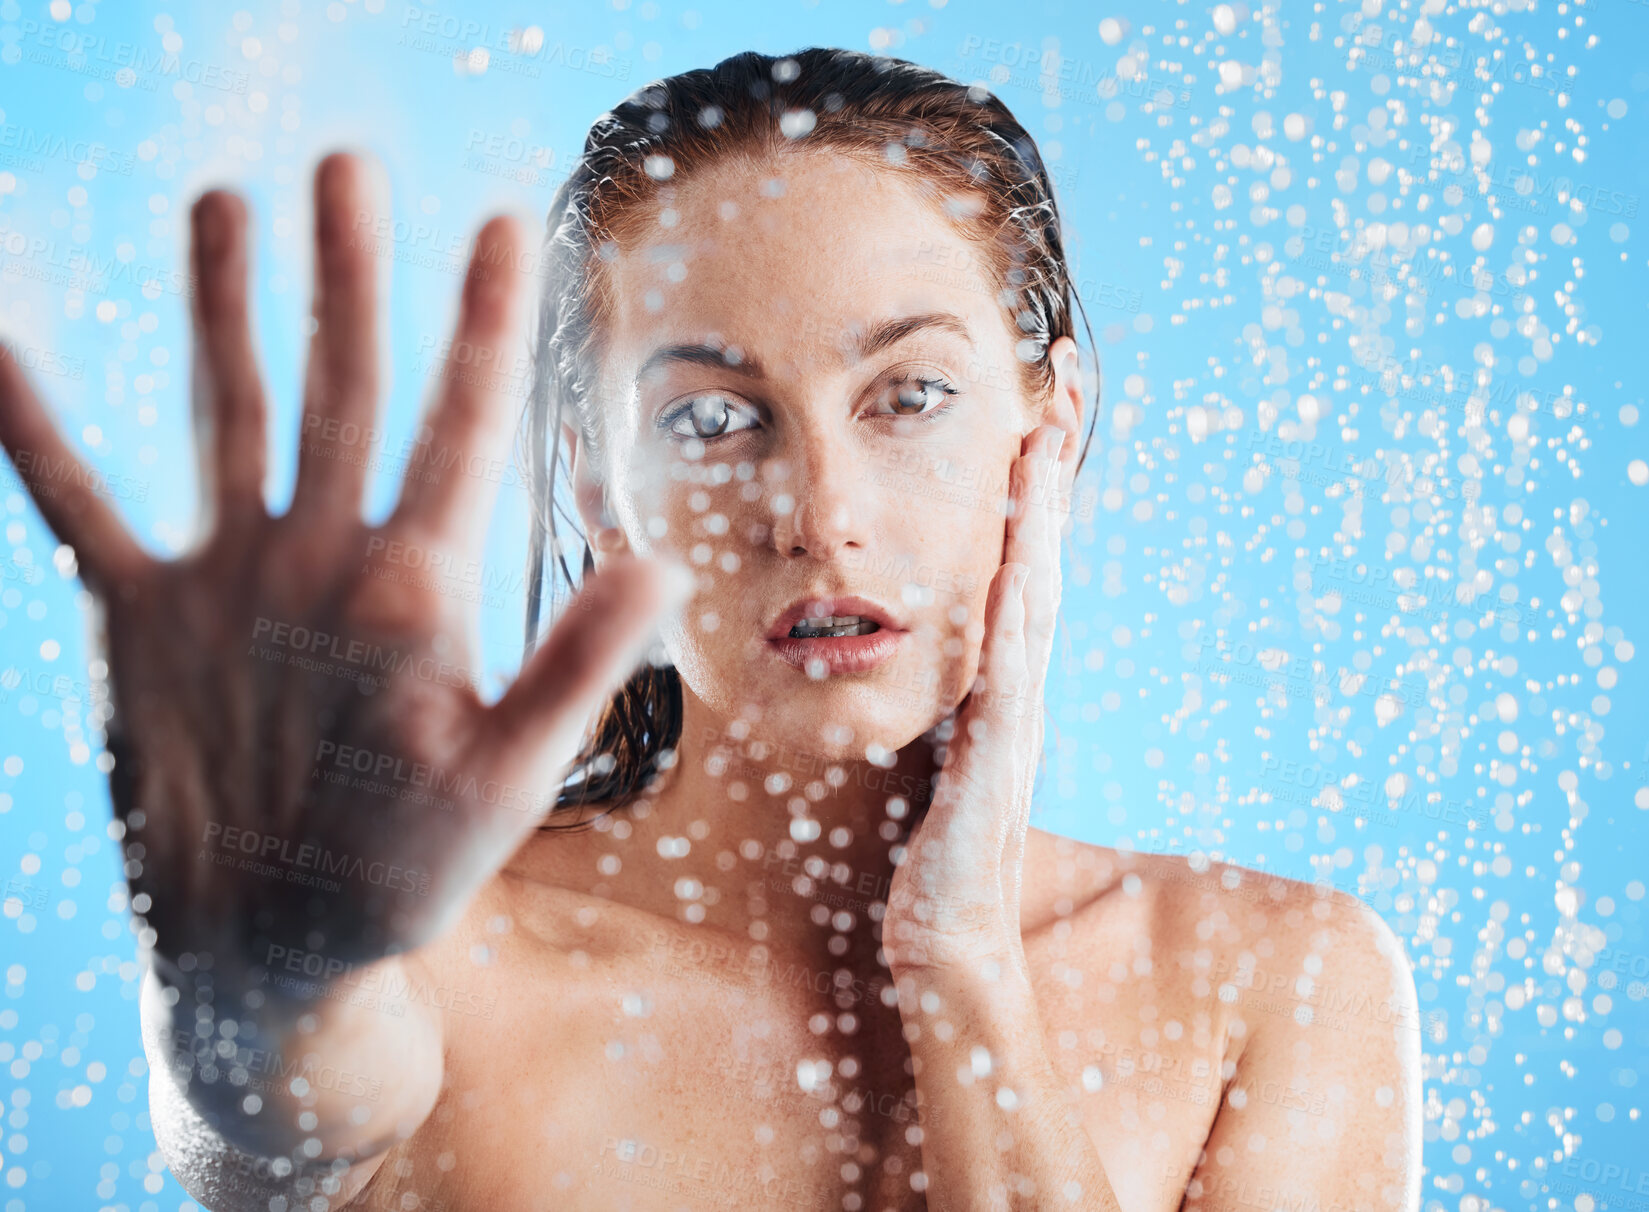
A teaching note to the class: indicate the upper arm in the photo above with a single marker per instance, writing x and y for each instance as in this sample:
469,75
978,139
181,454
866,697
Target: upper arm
214,1171
1322,1108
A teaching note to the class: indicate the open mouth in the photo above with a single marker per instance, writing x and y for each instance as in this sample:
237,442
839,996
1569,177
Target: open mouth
824,636
832,627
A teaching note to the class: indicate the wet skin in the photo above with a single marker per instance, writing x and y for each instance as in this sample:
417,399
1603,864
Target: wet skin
732,996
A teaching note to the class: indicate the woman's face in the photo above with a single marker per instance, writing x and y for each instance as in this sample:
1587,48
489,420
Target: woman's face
811,392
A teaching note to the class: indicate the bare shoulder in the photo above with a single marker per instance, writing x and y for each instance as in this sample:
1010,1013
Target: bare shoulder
1271,948
1303,992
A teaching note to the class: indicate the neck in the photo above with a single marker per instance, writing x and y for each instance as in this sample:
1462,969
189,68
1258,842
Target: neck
784,835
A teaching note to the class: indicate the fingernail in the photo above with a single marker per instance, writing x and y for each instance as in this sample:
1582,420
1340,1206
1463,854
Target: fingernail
1021,574
1049,438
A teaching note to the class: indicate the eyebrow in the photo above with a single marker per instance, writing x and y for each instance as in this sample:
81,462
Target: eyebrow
861,345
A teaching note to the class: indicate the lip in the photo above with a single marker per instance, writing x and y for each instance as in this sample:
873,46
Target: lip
836,654
822,607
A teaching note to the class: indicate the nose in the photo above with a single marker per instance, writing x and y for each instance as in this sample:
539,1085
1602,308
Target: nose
819,479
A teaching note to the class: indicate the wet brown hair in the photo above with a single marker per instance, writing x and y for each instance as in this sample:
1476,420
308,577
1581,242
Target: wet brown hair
952,140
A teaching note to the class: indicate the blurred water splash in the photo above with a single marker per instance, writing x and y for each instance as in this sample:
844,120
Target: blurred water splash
1358,601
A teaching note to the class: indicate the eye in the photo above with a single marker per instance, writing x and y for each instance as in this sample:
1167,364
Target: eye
706,416
916,396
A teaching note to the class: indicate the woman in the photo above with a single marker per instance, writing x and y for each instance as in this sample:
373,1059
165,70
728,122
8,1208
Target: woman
807,353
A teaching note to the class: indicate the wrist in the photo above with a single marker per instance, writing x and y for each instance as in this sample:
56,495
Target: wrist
274,996
987,947
983,975
980,948
237,1035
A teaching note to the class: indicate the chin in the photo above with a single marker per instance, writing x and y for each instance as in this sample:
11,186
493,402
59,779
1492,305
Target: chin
839,720
832,718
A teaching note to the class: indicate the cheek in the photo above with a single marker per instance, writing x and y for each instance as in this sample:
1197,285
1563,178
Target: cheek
704,516
943,532
676,505
956,506
973,553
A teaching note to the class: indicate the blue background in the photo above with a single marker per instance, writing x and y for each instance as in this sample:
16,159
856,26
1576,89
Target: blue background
1351,600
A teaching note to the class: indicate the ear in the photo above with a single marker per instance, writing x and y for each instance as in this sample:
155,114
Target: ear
1066,406
590,495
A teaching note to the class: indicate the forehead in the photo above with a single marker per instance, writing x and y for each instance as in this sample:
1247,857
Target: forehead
788,254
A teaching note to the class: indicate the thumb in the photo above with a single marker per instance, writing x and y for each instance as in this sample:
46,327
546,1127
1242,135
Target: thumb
594,645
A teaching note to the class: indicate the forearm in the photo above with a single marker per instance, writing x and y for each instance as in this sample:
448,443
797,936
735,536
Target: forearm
998,1129
273,1069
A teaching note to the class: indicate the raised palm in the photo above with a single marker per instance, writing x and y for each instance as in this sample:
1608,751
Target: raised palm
302,757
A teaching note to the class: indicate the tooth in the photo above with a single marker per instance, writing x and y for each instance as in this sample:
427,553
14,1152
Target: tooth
846,624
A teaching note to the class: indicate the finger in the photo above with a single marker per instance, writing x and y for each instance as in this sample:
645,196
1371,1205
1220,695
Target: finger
227,394
447,494
63,488
592,648
1064,492
1070,454
341,380
1033,533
